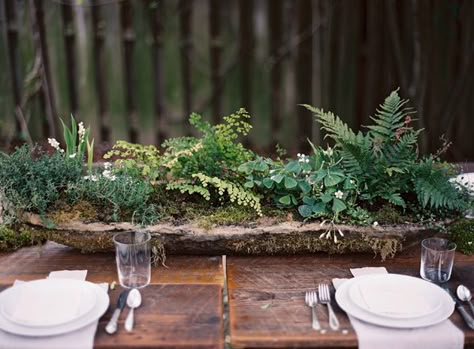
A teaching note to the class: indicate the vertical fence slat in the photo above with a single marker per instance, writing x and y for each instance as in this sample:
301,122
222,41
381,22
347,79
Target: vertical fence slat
98,30
13,57
246,54
185,17
128,40
275,29
156,19
215,55
304,60
41,50
69,44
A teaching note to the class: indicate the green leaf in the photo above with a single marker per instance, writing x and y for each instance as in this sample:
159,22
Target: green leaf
338,205
285,200
293,199
304,186
277,178
308,200
331,180
290,182
326,197
306,166
305,210
293,166
319,208
261,166
245,168
249,184
319,176
267,182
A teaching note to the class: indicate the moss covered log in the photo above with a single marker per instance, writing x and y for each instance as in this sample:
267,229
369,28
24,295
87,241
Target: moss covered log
257,238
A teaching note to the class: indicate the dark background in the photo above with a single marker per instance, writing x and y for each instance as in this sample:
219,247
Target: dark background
134,70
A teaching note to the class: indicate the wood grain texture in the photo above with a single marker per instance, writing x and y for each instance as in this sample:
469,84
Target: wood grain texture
266,297
172,316
182,308
36,262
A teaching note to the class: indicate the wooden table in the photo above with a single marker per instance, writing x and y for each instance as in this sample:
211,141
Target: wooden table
266,296
183,307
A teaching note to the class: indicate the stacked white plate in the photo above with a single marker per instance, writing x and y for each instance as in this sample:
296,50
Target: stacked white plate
394,300
51,306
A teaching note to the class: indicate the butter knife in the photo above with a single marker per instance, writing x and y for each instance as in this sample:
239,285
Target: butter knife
460,307
111,327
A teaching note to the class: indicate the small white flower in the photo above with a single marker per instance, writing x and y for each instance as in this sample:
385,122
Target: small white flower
108,174
298,155
307,160
92,178
352,181
375,224
107,165
81,132
55,144
72,156
339,194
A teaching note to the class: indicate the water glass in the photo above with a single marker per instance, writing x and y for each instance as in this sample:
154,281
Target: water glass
133,256
437,259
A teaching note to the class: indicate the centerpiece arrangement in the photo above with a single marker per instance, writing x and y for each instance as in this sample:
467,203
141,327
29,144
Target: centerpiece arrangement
369,192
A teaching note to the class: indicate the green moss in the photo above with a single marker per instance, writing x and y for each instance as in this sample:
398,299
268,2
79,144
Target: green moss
388,215
13,238
81,211
304,243
463,235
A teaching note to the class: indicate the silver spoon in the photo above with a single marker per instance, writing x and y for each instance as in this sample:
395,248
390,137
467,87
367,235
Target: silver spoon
134,300
465,295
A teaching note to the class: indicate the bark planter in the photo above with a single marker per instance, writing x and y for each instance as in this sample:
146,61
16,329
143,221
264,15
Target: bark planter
260,238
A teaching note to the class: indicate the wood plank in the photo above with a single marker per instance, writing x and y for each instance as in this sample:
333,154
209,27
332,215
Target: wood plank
128,43
36,262
171,316
266,296
98,29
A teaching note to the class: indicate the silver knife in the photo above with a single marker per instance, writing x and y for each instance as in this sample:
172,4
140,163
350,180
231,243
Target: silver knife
460,307
111,327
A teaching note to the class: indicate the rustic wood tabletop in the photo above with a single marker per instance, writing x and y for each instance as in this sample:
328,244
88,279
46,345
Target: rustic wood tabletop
184,305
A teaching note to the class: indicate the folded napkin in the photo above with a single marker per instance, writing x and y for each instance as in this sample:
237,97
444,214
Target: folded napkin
444,335
402,301
82,338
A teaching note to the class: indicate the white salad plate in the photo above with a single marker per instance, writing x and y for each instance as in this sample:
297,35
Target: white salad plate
50,307
388,309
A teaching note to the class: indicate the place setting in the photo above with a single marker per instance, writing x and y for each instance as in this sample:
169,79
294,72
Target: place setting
381,305
63,309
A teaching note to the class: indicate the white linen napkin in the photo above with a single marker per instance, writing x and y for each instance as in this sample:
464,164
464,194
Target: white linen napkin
82,338
444,335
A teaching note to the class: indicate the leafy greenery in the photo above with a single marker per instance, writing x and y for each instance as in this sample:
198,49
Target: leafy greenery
32,181
463,235
386,163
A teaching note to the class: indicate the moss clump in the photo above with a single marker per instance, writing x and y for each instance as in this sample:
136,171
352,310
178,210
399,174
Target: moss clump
81,211
310,243
463,235
12,239
388,215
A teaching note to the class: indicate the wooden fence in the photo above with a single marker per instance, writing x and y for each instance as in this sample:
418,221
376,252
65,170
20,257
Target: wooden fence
135,70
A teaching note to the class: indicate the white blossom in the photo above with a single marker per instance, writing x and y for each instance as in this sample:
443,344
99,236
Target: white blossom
55,144
81,132
92,178
107,165
352,181
339,194
375,224
108,174
328,151
72,156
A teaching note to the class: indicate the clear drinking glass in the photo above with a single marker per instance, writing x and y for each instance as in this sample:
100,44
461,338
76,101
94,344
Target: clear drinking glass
132,253
437,259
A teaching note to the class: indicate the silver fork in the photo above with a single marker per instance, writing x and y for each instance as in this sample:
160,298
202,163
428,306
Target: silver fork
325,298
311,299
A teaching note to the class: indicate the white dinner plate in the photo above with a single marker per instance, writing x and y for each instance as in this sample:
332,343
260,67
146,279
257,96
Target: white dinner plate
71,299
396,296
344,300
98,309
